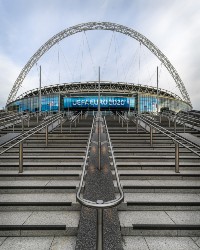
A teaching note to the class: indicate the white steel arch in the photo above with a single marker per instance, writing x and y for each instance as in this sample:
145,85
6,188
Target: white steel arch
98,26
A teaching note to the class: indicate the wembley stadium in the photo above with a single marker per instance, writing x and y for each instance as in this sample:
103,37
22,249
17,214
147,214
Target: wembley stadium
115,94
99,164
84,96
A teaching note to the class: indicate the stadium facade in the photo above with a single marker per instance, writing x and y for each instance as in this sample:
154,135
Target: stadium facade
84,96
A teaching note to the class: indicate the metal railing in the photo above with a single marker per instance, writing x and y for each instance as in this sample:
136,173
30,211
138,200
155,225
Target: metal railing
22,137
177,139
99,204
182,118
123,120
11,120
75,119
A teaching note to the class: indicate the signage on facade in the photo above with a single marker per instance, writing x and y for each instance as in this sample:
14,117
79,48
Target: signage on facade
105,101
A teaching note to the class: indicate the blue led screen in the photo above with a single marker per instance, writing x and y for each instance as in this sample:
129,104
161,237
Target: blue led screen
105,102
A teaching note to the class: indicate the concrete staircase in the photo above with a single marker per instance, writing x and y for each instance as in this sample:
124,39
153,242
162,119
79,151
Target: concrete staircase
38,208
161,208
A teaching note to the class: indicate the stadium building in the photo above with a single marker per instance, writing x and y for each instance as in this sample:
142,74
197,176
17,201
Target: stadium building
84,96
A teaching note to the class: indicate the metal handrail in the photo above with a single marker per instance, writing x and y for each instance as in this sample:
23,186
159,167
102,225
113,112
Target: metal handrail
170,135
122,117
30,132
27,132
92,204
76,117
11,118
188,119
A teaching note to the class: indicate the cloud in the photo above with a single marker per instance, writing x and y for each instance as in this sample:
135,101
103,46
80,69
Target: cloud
171,25
9,71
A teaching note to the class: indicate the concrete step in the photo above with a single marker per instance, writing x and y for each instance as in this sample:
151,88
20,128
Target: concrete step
37,176
48,150
158,157
160,243
159,206
131,175
157,201
157,165
151,153
43,185
42,158
161,186
39,223
39,206
41,242
41,166
160,223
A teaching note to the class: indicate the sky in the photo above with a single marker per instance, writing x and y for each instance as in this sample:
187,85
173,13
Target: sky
172,25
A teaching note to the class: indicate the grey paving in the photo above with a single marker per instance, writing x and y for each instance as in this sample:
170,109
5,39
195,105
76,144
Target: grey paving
128,218
63,243
63,183
196,240
25,183
14,218
69,218
2,239
161,182
40,183
144,171
175,182
185,217
134,243
38,197
27,243
171,243
157,197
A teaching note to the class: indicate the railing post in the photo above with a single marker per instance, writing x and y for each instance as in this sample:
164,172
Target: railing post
21,157
122,123
184,128
47,135
169,122
176,157
61,125
175,125
137,125
75,123
160,119
70,127
81,114
22,125
99,243
28,121
127,128
151,136
99,144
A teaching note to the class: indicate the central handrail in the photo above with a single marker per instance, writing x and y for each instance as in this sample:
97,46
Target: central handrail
92,204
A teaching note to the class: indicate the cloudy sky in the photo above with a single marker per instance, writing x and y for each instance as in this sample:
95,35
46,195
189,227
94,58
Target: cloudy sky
172,25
